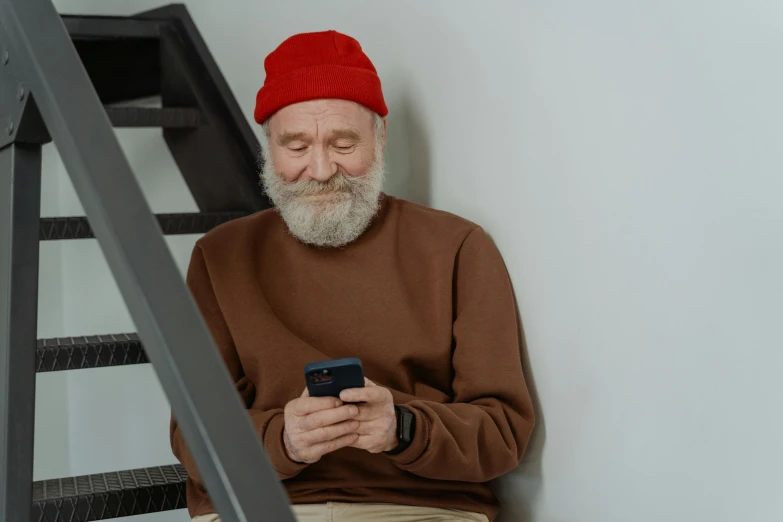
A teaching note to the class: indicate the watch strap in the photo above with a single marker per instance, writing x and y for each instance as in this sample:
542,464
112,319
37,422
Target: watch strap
406,428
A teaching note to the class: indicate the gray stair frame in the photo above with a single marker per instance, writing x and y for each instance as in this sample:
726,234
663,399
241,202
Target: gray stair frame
216,426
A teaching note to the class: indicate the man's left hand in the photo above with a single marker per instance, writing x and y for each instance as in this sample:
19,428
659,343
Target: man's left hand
377,418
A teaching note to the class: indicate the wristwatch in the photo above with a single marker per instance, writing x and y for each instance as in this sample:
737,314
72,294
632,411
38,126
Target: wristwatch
406,428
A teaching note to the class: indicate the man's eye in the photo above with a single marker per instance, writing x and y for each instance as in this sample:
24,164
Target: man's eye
343,148
297,149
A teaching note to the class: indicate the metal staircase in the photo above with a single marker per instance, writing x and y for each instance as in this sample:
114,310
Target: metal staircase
68,78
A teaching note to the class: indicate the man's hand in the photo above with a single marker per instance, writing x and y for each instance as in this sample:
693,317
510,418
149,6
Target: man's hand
377,420
315,426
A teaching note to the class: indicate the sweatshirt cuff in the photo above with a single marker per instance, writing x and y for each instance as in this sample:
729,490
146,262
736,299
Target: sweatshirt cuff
275,449
420,442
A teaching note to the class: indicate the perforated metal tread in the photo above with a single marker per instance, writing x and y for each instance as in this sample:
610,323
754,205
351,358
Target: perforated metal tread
170,118
96,351
109,495
171,224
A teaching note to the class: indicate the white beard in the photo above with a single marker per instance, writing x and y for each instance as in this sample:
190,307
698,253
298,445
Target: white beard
333,213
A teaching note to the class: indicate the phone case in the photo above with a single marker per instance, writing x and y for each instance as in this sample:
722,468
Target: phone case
329,378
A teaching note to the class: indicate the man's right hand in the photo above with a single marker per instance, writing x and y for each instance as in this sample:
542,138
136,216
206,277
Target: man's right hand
315,426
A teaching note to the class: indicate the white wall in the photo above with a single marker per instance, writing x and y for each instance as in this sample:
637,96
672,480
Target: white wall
52,455
625,156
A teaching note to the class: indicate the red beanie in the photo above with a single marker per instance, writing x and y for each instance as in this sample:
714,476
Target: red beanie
310,66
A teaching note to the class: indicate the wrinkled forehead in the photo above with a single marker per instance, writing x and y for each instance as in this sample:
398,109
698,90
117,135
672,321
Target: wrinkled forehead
318,119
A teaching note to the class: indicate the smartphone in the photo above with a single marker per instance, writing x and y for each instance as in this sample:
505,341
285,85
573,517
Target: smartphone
329,378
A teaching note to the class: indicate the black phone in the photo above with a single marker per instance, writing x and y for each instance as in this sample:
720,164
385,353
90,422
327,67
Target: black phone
329,378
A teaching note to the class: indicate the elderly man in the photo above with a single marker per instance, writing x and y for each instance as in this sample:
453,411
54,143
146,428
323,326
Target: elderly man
339,269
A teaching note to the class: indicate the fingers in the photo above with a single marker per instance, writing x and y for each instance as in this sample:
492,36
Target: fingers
370,443
307,405
370,411
322,448
370,394
315,426
300,448
328,433
376,426
328,417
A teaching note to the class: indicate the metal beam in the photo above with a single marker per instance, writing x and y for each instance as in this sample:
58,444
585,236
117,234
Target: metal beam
224,142
91,27
20,201
241,482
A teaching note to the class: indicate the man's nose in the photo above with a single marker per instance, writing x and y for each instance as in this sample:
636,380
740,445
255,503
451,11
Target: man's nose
321,166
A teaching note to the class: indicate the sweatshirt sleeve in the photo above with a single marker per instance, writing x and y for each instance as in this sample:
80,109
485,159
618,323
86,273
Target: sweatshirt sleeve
483,432
269,424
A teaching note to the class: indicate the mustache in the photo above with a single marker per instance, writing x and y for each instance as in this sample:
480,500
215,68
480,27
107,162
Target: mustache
338,183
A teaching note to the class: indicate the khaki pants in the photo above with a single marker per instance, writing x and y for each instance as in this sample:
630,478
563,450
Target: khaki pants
367,512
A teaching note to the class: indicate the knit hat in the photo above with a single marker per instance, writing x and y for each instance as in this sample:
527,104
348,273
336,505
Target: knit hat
311,66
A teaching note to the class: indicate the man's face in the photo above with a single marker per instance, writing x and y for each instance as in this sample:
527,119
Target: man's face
324,169
315,140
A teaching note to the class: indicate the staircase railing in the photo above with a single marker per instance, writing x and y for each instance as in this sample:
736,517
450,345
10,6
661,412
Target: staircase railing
45,91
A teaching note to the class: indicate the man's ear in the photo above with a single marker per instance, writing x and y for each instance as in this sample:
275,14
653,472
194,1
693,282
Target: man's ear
385,123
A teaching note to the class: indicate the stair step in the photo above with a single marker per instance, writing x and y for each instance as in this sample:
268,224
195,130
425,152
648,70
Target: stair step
109,495
166,117
82,27
171,224
96,351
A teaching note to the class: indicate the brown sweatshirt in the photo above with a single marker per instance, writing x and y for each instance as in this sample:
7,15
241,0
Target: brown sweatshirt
423,299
